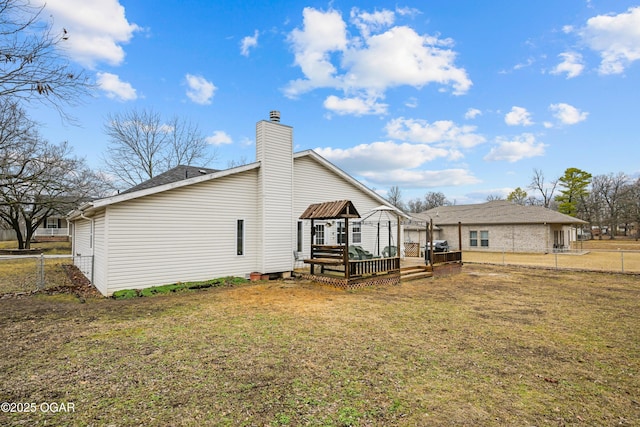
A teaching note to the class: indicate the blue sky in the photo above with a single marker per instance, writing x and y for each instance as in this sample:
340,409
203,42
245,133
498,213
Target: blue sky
457,96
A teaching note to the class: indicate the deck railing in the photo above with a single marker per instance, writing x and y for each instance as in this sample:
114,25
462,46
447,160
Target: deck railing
447,257
371,266
332,257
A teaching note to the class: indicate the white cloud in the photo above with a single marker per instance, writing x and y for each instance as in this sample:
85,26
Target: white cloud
354,106
518,116
443,132
411,102
322,34
400,56
568,114
200,90
115,88
382,156
97,29
616,38
421,178
219,137
248,42
571,64
379,58
382,163
521,147
371,22
472,113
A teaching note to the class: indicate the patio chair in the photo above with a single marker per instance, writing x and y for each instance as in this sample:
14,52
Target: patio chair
363,253
389,251
297,259
353,253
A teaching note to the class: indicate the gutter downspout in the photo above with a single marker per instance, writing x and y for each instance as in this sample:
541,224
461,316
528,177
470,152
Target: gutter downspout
93,258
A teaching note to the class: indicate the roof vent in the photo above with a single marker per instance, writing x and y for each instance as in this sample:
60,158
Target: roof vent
274,116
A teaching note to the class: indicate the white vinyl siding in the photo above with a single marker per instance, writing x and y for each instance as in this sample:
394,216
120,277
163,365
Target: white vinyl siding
184,234
314,183
82,238
99,252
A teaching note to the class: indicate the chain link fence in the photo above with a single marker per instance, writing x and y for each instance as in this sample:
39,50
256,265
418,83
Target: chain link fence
28,273
613,261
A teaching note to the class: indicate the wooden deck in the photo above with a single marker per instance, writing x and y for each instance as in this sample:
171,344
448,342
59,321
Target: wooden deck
336,258
336,269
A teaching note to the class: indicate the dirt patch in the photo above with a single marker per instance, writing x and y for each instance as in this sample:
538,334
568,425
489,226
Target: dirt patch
78,285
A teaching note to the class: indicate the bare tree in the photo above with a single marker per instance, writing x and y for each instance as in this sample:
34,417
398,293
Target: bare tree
38,179
143,145
612,190
494,197
240,162
435,199
32,65
632,206
185,144
546,190
416,205
395,197
14,125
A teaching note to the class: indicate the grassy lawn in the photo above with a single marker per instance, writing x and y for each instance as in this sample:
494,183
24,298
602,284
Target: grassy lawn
22,274
48,248
491,346
595,255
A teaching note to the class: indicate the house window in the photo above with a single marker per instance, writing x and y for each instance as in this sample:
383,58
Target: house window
300,230
484,239
356,232
473,238
240,237
52,223
341,233
319,234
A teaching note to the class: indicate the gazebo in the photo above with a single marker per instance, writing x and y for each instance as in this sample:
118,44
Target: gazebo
338,264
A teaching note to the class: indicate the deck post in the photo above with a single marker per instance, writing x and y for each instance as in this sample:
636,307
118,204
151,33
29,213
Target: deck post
431,241
345,253
313,235
459,236
398,239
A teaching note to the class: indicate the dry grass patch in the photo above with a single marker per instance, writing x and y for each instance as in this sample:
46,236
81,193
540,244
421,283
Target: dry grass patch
491,346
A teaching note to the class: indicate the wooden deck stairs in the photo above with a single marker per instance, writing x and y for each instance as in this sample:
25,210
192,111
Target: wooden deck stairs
415,272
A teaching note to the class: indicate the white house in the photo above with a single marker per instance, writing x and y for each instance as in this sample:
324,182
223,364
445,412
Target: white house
221,223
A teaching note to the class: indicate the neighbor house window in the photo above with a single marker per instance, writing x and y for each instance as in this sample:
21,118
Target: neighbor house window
52,223
356,232
240,237
300,230
484,239
319,234
473,238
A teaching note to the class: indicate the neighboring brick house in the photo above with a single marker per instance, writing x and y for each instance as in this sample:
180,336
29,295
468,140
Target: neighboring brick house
501,225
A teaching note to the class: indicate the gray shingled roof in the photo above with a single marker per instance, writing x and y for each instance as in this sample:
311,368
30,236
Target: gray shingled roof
178,173
496,212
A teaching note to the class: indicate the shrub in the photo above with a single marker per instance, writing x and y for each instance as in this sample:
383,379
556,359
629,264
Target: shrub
177,287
